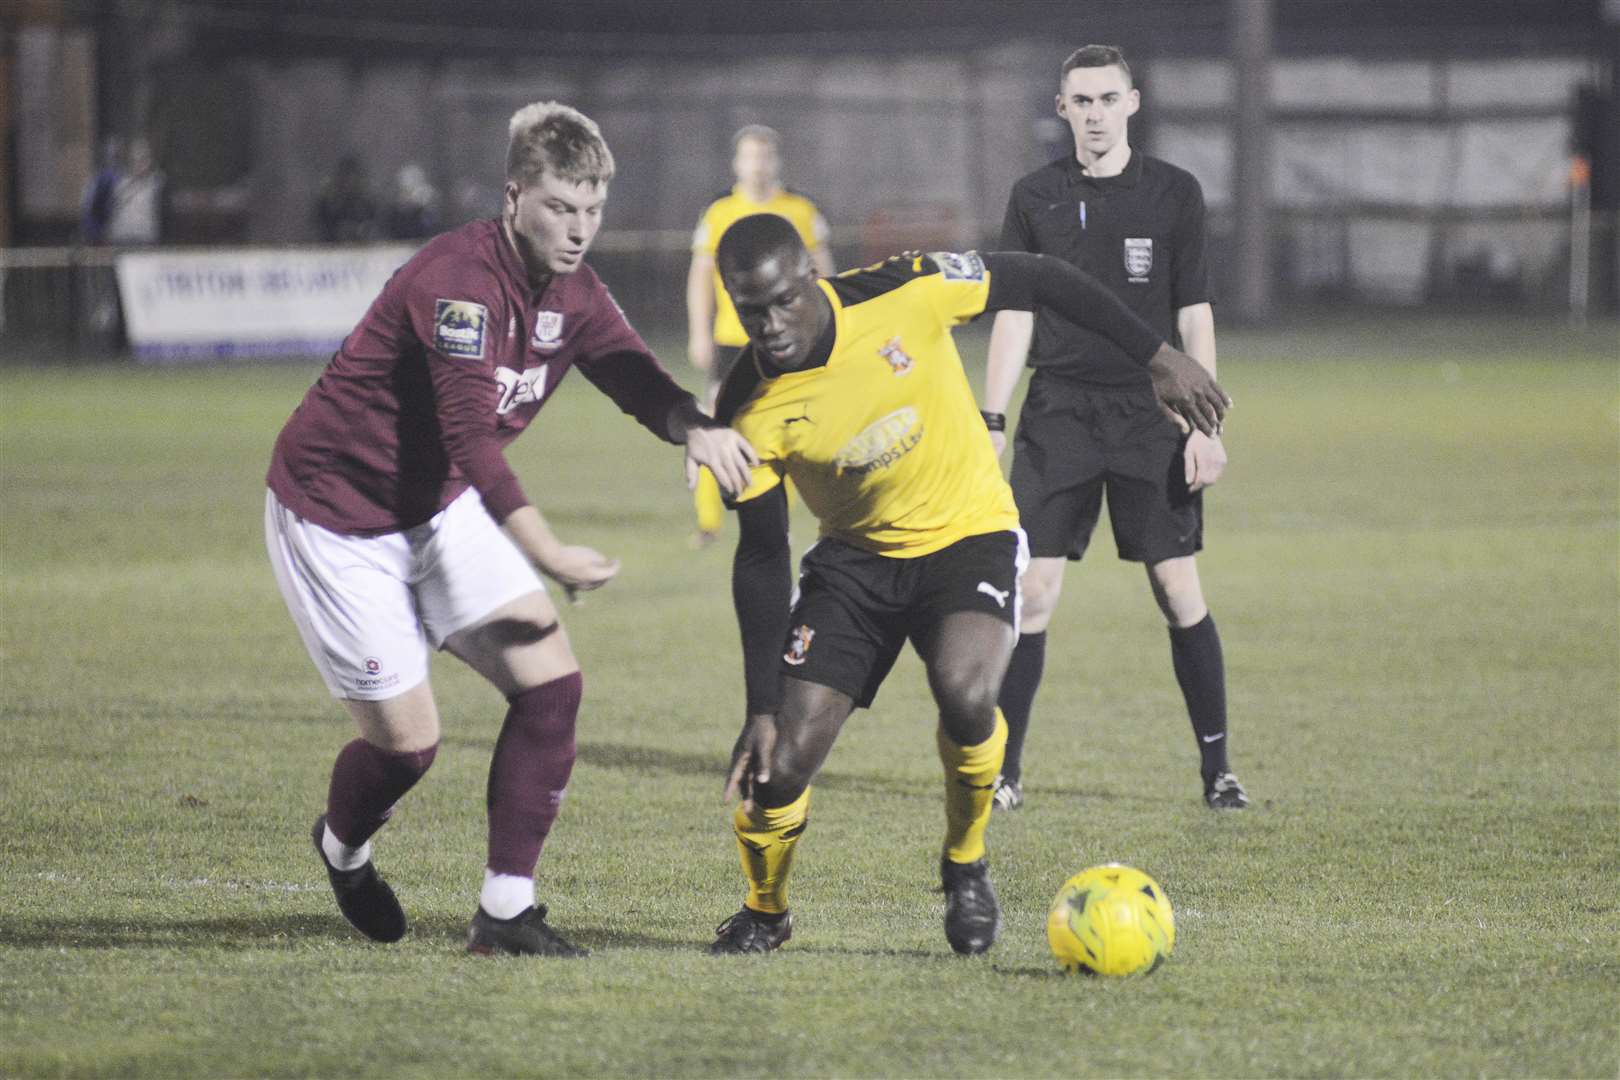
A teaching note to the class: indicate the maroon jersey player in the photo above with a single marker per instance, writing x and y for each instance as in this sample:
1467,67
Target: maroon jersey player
395,525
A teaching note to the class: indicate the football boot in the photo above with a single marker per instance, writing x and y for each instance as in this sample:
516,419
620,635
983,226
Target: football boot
1223,792
972,915
525,934
751,931
362,895
1009,794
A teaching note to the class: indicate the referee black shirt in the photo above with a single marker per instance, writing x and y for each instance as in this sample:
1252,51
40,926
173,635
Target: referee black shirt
1140,233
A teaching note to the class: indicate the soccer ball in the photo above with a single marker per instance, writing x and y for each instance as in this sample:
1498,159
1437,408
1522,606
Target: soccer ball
1111,920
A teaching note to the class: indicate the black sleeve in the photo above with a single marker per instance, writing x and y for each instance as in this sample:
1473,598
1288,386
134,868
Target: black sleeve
761,591
1023,282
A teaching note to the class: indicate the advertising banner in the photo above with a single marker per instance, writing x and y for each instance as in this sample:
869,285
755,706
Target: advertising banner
182,306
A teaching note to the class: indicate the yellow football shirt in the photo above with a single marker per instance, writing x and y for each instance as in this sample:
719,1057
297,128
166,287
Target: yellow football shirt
884,441
720,215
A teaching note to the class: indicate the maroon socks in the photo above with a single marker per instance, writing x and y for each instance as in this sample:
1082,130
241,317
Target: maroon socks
533,759
367,782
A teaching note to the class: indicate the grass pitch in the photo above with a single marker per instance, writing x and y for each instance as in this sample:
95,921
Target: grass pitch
1413,561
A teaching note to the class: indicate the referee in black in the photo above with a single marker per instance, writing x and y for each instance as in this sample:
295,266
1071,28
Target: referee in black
1088,429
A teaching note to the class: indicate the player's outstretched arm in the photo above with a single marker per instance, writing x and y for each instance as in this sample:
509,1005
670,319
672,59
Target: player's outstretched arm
1022,282
761,592
575,567
1186,390
708,442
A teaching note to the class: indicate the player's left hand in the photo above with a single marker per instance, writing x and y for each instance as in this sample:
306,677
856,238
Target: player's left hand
751,758
1185,389
726,453
1204,459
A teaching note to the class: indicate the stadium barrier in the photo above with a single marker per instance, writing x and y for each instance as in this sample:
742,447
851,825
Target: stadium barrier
62,304
189,304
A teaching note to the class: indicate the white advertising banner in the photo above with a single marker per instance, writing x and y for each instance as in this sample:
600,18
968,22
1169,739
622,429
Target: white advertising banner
207,305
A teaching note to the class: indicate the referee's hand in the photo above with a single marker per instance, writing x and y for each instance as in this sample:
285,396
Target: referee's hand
1188,391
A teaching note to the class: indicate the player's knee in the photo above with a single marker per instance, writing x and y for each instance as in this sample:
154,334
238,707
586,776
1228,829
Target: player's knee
547,714
788,780
794,762
1178,591
967,705
1040,596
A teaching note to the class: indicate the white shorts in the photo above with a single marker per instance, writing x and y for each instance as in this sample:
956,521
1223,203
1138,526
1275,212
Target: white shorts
371,608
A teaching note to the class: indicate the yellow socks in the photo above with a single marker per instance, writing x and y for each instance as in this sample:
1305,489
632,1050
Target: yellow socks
765,841
970,781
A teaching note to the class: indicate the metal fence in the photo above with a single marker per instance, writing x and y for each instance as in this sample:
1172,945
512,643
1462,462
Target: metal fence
60,305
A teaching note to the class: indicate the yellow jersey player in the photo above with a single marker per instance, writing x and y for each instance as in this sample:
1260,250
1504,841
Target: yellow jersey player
852,387
714,336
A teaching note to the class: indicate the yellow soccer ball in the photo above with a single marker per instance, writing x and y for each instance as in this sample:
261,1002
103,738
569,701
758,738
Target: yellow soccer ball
1111,920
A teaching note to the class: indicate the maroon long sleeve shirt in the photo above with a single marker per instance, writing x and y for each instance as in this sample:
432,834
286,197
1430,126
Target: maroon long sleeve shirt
452,361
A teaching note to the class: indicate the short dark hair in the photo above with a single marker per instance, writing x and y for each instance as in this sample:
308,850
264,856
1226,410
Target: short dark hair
1096,56
753,239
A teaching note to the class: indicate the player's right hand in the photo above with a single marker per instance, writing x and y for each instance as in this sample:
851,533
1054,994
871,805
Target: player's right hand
1185,389
726,454
751,758
998,439
578,568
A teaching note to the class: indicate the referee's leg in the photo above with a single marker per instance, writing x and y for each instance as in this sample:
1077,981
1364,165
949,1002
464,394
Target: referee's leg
1195,653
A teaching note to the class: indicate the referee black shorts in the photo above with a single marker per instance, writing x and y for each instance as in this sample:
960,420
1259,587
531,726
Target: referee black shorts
855,610
1075,444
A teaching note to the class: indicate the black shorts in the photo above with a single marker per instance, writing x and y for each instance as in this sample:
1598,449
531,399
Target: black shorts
854,609
1075,443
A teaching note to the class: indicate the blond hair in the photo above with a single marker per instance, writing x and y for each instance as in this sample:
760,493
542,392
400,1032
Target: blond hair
549,136
759,133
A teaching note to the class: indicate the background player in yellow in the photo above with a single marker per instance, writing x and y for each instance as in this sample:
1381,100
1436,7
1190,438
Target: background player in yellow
853,387
714,336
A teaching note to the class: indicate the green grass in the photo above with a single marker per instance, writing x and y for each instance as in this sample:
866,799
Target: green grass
1413,559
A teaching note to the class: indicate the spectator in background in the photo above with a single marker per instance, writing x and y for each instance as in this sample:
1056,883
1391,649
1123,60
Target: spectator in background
96,206
414,213
346,212
123,203
137,204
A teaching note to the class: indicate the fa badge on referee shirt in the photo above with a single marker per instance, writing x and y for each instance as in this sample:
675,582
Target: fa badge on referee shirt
1138,257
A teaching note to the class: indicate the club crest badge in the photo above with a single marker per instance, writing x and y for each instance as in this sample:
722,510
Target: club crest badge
896,356
959,265
1138,257
798,646
458,328
548,327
